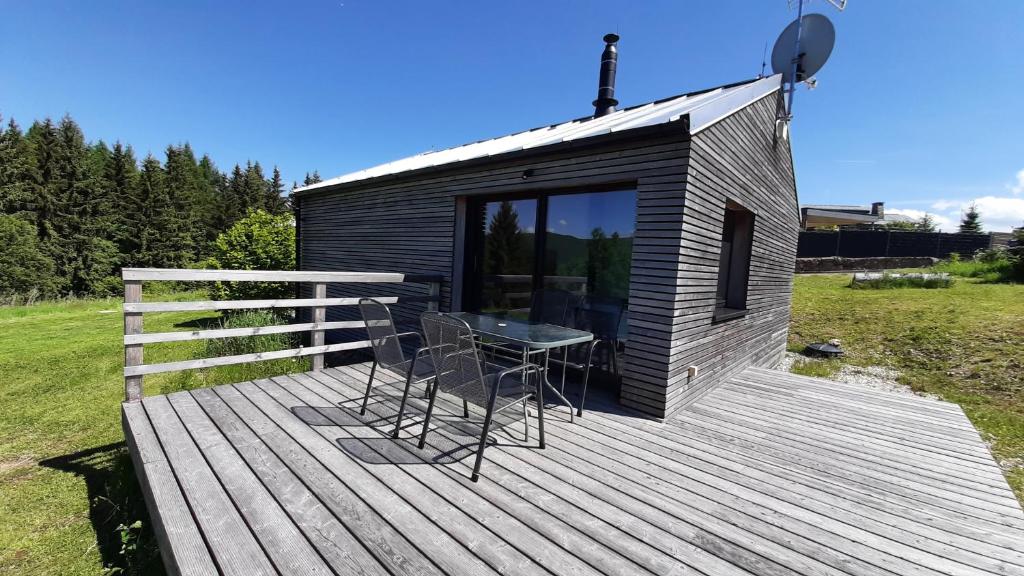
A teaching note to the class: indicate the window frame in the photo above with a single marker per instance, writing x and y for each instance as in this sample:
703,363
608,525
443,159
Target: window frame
734,275
474,235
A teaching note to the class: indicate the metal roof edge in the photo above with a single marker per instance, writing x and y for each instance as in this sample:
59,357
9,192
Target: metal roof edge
709,114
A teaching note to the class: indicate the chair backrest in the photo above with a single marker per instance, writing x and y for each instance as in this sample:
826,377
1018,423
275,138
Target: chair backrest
601,315
551,306
380,328
454,353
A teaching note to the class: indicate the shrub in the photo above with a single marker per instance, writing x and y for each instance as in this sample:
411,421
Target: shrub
889,281
216,348
260,241
24,267
250,344
992,265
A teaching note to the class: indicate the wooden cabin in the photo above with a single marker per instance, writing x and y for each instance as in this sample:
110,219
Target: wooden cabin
684,209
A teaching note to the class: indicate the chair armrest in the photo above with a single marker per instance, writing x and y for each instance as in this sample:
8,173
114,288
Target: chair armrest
419,337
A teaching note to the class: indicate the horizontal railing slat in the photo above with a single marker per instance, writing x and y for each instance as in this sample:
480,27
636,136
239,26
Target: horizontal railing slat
272,276
182,336
202,305
144,369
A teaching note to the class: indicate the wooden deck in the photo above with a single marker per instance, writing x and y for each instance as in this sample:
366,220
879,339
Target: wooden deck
769,473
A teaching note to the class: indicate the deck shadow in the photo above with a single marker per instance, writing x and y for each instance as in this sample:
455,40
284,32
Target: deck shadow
115,499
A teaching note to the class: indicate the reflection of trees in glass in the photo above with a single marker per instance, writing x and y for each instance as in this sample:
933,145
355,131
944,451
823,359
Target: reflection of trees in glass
608,264
504,242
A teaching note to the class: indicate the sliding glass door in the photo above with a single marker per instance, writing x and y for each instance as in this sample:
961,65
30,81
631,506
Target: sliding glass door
581,243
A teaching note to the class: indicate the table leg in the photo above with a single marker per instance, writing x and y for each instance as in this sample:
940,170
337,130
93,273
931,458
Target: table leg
550,386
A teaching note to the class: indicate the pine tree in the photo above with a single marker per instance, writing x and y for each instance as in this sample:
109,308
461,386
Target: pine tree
81,247
211,187
312,179
232,204
503,242
971,223
182,180
254,188
121,179
15,194
42,168
276,202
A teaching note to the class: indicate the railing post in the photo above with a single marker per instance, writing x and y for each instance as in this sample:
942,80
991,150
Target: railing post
433,290
319,317
132,352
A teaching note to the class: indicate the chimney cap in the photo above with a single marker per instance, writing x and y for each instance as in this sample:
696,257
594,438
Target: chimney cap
611,38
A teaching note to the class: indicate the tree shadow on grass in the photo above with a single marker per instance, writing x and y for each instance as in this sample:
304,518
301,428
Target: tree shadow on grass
115,500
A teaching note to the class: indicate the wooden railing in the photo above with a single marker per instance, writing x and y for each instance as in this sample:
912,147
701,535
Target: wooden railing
134,308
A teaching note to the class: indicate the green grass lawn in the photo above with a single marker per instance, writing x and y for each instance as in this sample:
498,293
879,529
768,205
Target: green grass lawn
964,344
66,483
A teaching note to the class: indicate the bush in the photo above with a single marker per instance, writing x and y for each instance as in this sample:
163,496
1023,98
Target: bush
992,265
220,347
889,281
24,267
250,344
260,241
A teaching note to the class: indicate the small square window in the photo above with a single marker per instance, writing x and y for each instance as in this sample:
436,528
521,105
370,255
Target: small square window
734,262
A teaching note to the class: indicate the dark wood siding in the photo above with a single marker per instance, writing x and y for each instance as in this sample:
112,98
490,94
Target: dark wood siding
737,159
408,224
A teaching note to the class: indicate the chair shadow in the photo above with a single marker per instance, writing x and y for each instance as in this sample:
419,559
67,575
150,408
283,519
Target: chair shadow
204,323
376,446
115,499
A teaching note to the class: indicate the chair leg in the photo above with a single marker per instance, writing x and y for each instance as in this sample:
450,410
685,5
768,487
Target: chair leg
483,439
426,419
369,384
401,405
465,408
526,420
586,377
540,410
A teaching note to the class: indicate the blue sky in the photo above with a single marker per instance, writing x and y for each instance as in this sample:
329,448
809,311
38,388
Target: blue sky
920,105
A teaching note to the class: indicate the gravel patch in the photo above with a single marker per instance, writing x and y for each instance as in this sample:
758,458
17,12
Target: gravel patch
873,377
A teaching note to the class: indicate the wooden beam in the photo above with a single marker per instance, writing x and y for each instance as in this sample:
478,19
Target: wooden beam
271,276
207,305
132,352
319,315
182,336
140,370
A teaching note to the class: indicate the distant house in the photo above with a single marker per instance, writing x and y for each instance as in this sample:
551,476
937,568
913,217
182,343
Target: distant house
830,215
684,209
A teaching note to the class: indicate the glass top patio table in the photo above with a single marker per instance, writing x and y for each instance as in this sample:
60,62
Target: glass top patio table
533,335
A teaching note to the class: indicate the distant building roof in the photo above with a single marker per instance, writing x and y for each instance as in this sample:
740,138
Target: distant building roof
816,215
702,108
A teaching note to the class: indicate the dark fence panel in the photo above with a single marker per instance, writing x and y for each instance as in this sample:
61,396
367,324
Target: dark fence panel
882,243
817,244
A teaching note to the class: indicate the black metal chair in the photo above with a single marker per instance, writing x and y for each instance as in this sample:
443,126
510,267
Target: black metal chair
388,354
461,373
601,316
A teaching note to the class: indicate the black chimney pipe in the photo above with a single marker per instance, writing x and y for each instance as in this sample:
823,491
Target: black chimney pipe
605,103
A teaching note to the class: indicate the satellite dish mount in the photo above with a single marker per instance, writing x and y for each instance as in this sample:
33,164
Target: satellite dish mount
802,49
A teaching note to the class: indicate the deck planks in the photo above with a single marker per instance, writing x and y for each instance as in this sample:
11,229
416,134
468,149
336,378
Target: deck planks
769,473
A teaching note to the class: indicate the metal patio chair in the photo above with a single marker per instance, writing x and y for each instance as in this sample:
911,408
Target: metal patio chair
461,373
602,317
388,354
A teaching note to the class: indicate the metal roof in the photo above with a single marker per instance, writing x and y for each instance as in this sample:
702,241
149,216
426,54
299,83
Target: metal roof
703,108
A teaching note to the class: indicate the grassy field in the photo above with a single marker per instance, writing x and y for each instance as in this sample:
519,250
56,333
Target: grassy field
66,483
964,344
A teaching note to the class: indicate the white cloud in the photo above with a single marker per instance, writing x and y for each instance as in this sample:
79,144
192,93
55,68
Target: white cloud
942,222
1018,188
998,213
563,222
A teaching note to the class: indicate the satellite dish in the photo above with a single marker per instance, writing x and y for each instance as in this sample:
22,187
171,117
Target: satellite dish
817,37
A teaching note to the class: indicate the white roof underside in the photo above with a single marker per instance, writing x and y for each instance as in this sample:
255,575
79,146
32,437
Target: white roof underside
704,109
